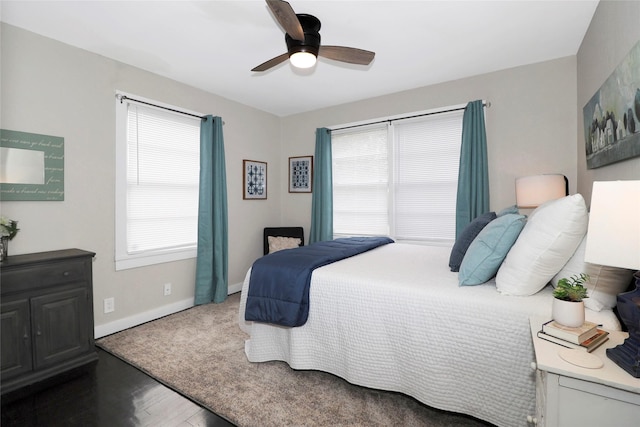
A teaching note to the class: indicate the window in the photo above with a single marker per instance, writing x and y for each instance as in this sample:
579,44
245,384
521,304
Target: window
360,169
157,184
398,178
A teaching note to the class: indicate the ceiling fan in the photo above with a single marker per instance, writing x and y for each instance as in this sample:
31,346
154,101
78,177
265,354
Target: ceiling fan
303,41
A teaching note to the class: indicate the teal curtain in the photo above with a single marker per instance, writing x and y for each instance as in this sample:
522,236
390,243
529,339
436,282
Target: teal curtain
473,176
212,264
322,198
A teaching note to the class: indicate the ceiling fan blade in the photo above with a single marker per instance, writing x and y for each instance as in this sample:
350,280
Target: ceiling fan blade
272,62
347,54
287,18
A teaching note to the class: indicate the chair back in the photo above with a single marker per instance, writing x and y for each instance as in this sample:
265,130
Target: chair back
282,232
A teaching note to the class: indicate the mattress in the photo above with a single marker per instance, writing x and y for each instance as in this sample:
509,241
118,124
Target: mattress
395,318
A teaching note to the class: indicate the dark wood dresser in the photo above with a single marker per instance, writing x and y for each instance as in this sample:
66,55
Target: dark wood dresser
47,316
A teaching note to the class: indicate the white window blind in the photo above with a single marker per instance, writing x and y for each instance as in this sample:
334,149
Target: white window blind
360,167
162,179
158,198
426,179
398,178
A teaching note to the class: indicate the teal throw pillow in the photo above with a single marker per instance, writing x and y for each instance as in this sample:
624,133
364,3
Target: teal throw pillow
509,210
489,249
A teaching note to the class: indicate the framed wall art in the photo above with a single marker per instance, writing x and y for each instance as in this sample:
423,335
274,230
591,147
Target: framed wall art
612,115
254,180
300,174
31,166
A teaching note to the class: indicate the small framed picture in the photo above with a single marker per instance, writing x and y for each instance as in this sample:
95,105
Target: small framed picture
254,180
300,174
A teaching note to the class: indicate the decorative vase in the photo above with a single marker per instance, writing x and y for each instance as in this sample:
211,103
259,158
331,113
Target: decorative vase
4,247
568,313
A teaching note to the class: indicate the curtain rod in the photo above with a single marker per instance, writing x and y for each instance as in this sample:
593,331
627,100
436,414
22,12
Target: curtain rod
484,104
123,97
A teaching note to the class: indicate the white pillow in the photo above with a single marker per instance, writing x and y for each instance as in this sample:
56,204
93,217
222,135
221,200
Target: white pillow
549,238
278,243
604,283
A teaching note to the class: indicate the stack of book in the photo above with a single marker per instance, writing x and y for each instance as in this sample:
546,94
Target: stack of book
586,337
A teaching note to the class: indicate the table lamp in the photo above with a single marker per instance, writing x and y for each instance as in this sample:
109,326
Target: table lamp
613,239
534,190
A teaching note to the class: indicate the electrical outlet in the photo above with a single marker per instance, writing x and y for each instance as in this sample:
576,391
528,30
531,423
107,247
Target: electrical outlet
167,289
109,305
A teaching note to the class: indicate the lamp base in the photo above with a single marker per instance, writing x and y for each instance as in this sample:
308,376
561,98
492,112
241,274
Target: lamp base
627,354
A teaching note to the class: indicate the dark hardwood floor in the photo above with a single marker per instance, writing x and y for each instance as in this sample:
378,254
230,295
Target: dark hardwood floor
107,393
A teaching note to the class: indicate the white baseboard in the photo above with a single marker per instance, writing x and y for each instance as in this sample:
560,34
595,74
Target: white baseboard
147,316
235,288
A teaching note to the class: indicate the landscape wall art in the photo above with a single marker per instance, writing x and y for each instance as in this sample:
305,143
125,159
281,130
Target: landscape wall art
612,116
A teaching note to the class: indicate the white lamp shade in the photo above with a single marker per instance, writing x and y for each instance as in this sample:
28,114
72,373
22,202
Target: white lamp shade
613,237
532,191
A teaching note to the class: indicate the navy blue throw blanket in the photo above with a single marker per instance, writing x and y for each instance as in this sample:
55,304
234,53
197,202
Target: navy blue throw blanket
279,282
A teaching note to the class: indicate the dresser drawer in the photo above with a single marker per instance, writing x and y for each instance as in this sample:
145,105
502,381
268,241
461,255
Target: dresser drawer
21,279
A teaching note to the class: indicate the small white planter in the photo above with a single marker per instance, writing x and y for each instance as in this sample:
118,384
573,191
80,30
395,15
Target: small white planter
568,313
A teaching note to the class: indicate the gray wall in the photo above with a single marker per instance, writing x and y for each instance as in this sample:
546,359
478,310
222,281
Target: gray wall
55,89
531,125
614,30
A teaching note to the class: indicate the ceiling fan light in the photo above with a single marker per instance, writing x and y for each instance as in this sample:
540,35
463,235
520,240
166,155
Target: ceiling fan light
303,59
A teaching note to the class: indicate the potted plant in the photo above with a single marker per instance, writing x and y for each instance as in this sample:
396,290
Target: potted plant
8,230
568,307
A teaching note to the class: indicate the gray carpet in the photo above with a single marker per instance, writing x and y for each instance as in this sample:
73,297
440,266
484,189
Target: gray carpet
200,353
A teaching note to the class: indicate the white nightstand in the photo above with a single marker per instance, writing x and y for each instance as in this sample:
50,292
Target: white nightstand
569,395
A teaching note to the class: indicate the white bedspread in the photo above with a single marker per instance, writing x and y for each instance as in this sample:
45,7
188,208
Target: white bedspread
394,318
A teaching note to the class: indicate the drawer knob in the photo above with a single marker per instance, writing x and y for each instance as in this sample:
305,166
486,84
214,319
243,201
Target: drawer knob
534,366
532,420
66,274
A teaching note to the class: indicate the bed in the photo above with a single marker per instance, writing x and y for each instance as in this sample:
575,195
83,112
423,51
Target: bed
396,318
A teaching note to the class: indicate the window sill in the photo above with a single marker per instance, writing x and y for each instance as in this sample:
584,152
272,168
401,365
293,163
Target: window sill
142,260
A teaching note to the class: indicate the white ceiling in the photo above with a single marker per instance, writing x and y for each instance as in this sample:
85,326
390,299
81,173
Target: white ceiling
212,45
